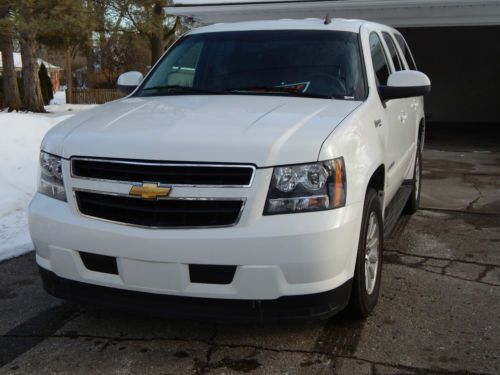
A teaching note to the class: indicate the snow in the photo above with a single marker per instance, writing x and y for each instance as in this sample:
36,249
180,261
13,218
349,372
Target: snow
59,98
58,104
21,135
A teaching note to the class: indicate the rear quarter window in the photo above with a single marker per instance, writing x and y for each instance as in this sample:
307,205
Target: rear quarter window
393,52
379,59
406,51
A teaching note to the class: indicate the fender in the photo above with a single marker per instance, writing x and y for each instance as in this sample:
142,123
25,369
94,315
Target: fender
362,144
360,139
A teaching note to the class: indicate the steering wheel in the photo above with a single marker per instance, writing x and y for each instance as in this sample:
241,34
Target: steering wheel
326,84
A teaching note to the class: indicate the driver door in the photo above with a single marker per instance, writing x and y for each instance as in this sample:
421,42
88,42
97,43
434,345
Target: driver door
396,117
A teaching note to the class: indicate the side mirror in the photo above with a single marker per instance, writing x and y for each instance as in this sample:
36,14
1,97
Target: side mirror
405,84
128,82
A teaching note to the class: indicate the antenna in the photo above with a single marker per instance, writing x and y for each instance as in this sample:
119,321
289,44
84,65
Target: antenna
328,20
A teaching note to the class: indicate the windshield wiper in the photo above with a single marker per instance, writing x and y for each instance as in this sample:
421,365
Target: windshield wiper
182,89
178,89
278,90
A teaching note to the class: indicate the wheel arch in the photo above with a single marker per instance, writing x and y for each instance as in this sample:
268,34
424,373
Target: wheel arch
377,179
421,133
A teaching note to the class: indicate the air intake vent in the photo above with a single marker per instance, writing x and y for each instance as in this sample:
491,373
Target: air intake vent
99,263
209,274
169,213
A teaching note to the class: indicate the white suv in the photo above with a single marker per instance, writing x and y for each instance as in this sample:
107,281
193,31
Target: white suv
252,174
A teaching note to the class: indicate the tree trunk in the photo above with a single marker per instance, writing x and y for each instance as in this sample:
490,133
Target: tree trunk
156,35
90,74
69,75
10,88
156,49
33,99
90,53
170,35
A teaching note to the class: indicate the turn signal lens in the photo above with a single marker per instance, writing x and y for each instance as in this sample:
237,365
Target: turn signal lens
339,190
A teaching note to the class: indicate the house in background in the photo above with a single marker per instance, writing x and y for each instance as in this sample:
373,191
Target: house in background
54,70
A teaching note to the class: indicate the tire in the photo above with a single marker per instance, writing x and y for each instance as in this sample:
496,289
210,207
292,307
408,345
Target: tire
414,198
364,295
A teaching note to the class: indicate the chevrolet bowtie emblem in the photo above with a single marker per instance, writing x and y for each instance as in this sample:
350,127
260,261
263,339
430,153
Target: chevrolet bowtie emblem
150,191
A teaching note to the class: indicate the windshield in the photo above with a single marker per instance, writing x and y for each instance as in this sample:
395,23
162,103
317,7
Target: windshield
311,63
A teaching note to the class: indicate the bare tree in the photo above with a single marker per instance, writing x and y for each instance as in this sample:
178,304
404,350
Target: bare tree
148,17
10,88
26,22
33,98
121,52
66,25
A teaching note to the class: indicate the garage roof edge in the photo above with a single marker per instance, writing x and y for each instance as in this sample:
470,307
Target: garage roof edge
399,13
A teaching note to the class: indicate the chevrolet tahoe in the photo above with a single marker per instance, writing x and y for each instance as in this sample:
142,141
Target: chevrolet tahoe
253,173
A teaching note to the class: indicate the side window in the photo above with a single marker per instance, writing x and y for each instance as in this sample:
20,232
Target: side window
179,68
183,72
406,51
379,59
393,52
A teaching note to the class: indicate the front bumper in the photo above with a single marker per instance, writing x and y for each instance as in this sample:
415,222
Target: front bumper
275,256
313,306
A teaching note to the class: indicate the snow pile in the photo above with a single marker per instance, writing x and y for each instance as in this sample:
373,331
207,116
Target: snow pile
59,98
58,104
20,138
58,108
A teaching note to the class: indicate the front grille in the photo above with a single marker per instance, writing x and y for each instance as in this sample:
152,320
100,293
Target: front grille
168,213
174,174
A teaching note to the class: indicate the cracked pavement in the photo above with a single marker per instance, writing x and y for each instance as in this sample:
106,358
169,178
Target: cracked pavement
439,309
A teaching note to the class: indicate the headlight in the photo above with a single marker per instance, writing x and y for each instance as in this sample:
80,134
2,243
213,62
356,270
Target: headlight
51,177
307,187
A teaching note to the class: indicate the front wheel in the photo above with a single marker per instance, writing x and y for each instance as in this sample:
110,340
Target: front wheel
366,282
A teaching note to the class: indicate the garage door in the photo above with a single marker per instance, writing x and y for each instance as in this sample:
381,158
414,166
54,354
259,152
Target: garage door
464,66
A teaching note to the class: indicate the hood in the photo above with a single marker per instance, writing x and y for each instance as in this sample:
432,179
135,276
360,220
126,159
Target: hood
260,130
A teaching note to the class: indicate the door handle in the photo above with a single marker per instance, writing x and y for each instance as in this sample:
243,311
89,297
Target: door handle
415,104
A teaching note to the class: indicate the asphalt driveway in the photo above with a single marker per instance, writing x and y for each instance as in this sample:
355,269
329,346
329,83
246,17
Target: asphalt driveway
439,311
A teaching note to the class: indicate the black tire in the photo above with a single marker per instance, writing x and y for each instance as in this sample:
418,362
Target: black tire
414,199
362,302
